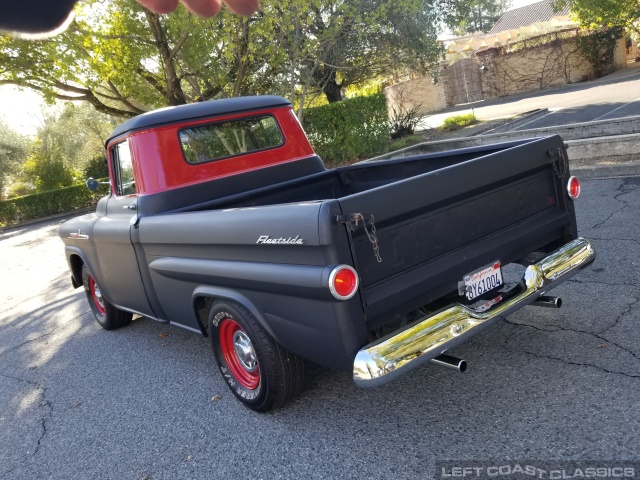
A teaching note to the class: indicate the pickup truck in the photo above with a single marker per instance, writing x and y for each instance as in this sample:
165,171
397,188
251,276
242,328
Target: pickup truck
222,220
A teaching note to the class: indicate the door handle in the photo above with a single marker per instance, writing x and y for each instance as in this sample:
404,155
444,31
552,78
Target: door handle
131,206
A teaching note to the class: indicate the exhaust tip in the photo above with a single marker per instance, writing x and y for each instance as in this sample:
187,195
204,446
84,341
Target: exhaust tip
450,362
462,366
547,301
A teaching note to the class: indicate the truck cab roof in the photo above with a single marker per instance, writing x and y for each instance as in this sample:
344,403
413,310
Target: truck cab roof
193,111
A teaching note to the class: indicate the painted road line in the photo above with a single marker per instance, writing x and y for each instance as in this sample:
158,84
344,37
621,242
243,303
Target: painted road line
615,109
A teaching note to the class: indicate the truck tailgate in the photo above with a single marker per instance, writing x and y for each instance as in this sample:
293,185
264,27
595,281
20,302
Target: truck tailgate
434,228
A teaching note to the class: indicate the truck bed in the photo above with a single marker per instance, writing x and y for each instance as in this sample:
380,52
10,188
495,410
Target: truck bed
437,217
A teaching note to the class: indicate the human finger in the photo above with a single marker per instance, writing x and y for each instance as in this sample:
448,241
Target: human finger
243,7
159,6
203,8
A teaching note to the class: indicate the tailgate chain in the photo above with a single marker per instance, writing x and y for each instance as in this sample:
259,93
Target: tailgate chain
353,221
559,160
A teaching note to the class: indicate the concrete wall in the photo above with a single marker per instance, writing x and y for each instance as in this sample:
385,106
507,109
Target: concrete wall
420,93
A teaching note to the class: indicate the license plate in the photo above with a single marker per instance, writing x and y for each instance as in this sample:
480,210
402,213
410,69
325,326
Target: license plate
483,281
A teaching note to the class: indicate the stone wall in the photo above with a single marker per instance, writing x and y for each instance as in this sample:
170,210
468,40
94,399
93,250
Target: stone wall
420,93
537,66
522,67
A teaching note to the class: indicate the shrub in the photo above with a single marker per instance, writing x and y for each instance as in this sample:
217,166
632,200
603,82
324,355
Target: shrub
46,171
405,142
48,203
96,168
19,189
404,121
458,121
351,129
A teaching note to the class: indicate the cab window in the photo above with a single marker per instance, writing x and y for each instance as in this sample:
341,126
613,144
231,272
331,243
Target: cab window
211,142
123,169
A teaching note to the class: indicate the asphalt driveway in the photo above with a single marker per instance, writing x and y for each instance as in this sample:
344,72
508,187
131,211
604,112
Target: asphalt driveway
145,402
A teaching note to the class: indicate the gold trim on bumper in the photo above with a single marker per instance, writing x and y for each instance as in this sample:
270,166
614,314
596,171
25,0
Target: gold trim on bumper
391,356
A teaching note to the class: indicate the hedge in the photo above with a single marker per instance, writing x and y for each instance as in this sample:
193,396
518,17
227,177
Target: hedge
349,130
42,204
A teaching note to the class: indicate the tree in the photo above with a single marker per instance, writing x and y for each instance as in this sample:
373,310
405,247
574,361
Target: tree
473,16
125,60
13,151
337,43
65,145
595,14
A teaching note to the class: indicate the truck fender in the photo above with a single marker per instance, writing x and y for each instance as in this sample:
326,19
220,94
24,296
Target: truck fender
219,293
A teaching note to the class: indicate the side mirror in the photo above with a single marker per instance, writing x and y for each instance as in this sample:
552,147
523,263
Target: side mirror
92,184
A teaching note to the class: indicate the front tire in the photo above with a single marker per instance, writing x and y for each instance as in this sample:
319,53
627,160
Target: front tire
108,316
260,373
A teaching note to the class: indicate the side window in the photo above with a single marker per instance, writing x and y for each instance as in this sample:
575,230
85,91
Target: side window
123,169
222,140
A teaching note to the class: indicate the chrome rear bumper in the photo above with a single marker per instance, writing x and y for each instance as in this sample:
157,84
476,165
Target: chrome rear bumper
392,356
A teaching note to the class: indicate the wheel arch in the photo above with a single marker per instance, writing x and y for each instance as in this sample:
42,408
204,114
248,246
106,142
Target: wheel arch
76,259
205,296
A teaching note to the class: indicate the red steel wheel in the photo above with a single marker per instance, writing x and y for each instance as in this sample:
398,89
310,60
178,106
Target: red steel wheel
239,354
96,294
108,316
258,371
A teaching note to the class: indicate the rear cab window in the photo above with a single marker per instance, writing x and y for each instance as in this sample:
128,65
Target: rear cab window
123,169
207,143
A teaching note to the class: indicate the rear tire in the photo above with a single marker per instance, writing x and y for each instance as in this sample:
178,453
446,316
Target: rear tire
260,373
108,316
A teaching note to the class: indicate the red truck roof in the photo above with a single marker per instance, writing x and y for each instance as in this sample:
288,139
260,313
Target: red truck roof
158,159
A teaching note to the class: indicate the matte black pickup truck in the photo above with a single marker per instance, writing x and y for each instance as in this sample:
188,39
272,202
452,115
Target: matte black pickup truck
222,220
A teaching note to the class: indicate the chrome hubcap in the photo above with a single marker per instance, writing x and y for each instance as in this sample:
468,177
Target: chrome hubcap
98,294
244,351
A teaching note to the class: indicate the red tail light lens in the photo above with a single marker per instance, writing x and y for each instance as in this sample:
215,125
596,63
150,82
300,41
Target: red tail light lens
343,282
573,188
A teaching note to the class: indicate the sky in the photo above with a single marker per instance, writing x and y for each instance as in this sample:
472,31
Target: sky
22,109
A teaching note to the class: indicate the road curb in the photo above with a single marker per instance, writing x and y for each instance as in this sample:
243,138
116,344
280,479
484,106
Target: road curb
606,154
627,169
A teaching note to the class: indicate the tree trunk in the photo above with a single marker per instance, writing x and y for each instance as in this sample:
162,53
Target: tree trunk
332,89
173,89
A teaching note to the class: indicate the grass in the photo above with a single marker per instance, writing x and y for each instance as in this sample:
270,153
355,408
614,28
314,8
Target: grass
404,142
458,121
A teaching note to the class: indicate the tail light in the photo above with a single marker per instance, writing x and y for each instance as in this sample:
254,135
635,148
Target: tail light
573,188
343,282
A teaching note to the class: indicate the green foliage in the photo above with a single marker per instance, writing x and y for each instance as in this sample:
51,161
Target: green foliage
13,151
405,142
63,146
19,189
45,169
348,130
338,43
598,14
473,16
458,121
599,47
403,121
96,168
48,203
125,60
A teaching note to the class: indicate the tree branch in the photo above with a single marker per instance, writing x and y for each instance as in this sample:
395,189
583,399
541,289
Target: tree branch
179,45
